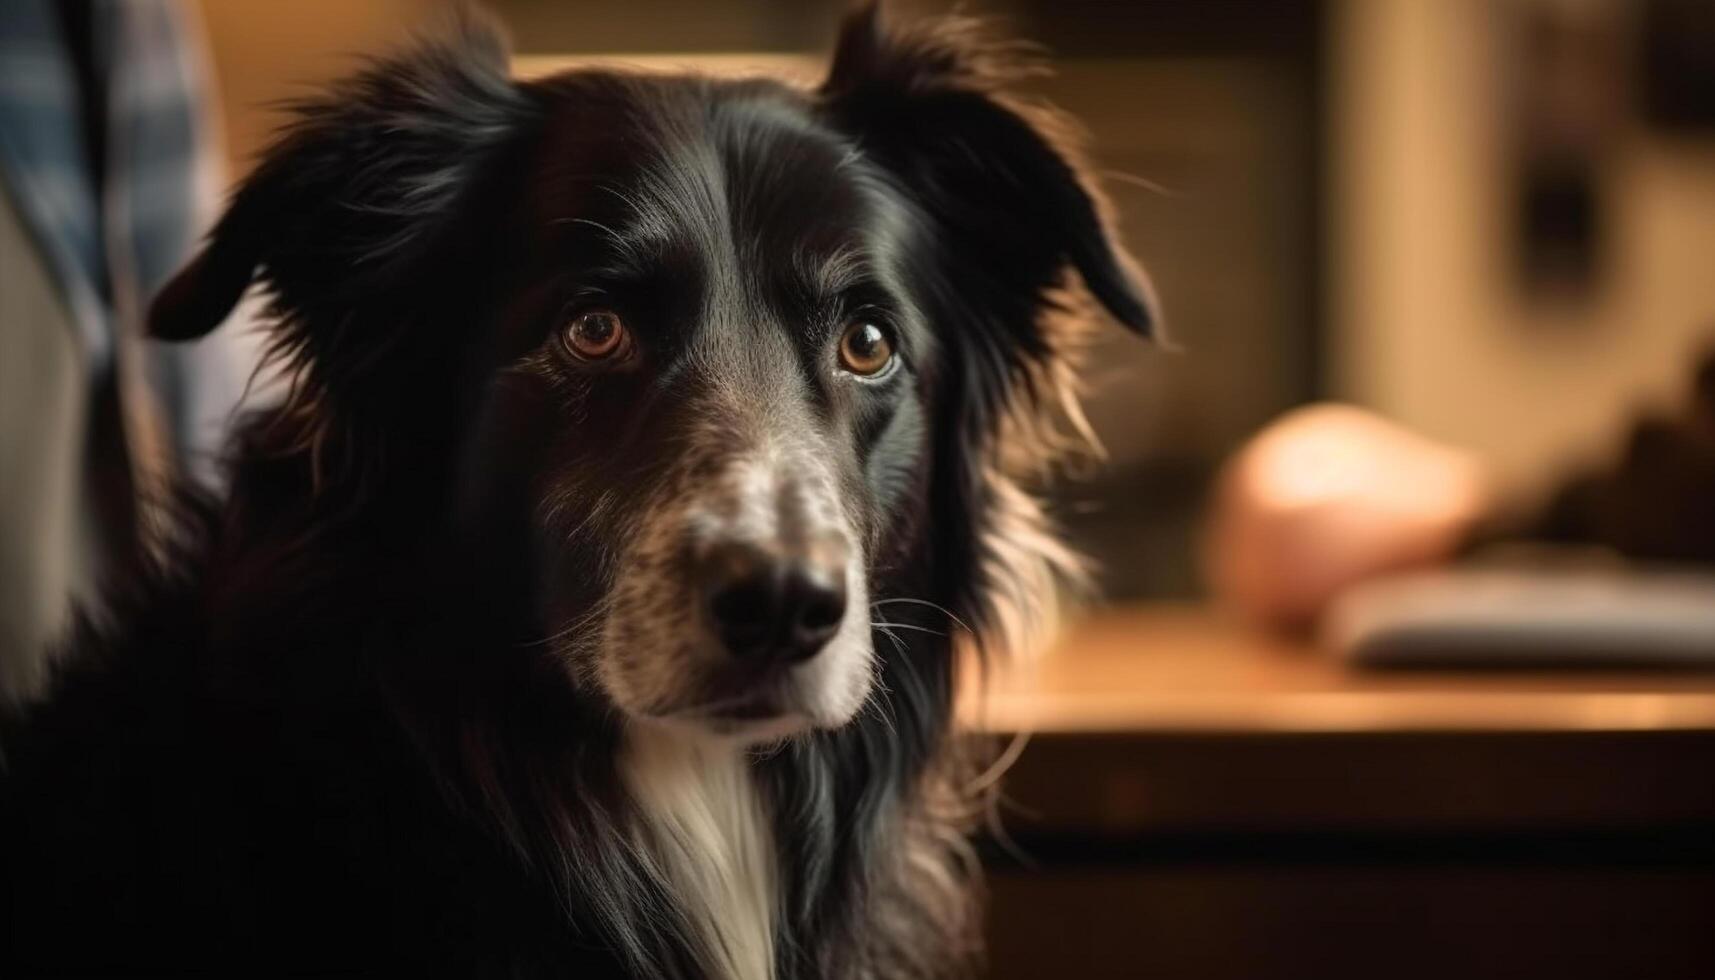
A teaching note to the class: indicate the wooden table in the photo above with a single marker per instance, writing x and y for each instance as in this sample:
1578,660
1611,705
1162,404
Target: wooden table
1198,800
1168,669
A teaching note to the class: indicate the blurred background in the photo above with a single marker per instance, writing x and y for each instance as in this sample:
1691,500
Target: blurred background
1488,220
1484,227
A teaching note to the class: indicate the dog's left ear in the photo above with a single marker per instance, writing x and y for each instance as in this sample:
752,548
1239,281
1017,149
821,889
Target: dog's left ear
998,182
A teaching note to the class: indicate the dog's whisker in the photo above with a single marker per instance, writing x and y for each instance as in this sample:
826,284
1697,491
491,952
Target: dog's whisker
879,688
577,624
943,610
885,630
597,509
908,626
591,222
877,699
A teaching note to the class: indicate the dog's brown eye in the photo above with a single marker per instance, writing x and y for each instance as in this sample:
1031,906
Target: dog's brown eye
595,335
865,349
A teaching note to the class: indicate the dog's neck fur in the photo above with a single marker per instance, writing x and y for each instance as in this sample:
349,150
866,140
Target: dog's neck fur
705,835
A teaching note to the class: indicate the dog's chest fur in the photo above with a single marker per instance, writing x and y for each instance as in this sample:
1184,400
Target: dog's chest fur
704,832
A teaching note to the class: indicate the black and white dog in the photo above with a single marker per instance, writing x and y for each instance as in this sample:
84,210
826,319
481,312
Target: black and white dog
588,608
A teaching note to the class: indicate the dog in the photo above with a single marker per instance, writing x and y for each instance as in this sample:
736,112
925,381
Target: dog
591,605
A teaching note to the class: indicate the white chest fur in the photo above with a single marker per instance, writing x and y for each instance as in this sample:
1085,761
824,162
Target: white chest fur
708,837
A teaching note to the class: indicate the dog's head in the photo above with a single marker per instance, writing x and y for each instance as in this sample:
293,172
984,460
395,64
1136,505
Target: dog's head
711,365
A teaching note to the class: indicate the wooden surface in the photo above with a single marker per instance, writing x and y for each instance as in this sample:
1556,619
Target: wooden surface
1185,669
1163,719
736,64
1198,801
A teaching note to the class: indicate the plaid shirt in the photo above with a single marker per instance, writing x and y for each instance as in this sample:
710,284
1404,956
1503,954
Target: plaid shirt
111,247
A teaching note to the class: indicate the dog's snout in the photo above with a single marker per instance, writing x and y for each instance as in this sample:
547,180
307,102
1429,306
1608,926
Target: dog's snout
770,607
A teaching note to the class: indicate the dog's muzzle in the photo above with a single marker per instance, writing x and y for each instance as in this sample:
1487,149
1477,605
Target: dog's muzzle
741,604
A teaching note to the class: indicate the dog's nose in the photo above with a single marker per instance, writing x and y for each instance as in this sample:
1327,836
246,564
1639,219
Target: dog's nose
769,607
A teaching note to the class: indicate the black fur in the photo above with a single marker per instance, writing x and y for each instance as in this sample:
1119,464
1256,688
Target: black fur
325,735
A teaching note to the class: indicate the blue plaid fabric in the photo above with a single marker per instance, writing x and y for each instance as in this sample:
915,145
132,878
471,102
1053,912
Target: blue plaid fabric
45,164
112,247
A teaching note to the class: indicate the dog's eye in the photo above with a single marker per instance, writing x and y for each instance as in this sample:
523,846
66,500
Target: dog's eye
865,349
595,335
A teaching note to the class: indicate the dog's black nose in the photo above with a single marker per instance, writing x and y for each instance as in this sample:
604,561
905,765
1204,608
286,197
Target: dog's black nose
767,607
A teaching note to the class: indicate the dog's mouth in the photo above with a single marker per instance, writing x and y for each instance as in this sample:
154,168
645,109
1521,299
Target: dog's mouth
760,704
750,709
762,714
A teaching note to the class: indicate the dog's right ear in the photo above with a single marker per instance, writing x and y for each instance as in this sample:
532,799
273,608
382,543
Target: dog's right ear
355,188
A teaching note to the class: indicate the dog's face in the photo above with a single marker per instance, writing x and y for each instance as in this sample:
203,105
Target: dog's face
727,394
713,364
